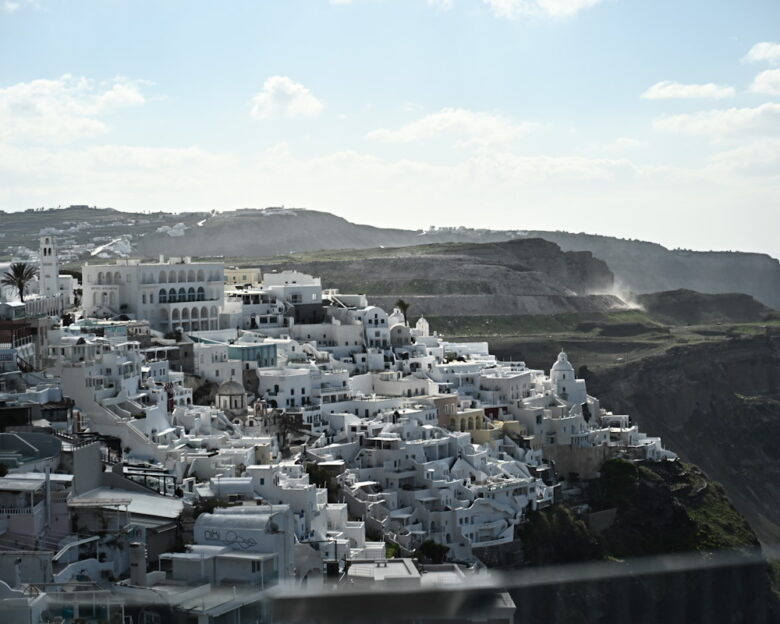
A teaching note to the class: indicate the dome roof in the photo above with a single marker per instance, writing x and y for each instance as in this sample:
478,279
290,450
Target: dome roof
562,363
230,387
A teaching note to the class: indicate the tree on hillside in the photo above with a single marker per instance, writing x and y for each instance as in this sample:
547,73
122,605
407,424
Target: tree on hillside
19,274
432,552
403,306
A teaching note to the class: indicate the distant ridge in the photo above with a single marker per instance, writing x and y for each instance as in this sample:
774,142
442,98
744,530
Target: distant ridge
638,266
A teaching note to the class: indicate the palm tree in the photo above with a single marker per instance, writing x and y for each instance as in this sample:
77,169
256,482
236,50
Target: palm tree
403,306
18,276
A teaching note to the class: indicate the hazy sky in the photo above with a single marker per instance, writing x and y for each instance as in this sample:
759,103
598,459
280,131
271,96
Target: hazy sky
653,119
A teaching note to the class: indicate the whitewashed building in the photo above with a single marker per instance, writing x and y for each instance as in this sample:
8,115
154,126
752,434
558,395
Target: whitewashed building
170,294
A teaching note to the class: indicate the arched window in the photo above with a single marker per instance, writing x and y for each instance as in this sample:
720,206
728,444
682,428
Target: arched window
101,279
172,295
204,313
190,275
162,278
182,276
182,294
175,314
163,296
194,313
117,277
109,278
201,276
201,294
213,312
185,314
190,294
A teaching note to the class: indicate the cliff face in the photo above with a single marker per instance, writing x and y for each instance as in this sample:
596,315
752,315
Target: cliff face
716,405
527,276
685,307
644,267
638,266
713,575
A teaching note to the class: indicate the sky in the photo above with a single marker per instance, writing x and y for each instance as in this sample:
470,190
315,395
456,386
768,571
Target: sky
649,119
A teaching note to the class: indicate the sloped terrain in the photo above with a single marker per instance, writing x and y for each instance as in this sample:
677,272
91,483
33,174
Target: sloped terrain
716,405
518,277
269,232
638,266
685,307
676,551
644,267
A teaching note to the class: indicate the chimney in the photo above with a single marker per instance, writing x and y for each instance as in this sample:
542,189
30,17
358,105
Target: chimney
162,259
138,564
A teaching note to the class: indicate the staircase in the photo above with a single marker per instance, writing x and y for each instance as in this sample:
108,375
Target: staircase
24,365
108,422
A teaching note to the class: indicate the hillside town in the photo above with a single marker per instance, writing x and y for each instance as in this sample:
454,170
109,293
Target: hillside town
180,439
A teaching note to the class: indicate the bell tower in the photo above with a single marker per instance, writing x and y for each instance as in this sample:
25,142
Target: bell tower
49,268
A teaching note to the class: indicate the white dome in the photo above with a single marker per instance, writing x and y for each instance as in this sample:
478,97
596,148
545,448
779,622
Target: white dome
230,387
562,363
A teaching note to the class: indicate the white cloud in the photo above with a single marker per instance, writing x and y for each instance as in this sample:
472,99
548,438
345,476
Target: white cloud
621,144
283,97
12,6
766,52
721,123
761,157
474,128
668,89
133,177
514,9
767,82
61,109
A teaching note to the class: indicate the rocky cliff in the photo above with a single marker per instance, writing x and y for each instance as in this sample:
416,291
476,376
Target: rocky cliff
675,550
638,266
524,276
686,307
716,405
644,267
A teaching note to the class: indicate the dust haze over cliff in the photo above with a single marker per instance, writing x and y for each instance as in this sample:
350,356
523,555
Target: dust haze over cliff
644,267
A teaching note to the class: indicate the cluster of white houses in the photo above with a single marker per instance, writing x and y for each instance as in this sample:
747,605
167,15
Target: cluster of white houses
195,433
